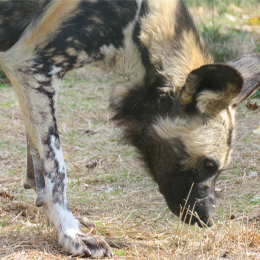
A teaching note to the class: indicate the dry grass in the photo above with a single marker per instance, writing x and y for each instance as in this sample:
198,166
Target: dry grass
106,184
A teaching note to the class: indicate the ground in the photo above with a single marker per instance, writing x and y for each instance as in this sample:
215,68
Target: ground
107,184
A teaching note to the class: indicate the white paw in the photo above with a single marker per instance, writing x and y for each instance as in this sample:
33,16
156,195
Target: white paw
76,243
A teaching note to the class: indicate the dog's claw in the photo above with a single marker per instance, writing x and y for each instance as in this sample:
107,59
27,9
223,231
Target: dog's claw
87,252
85,222
108,255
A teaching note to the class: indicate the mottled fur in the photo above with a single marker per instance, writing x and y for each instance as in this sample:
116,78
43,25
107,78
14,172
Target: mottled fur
173,104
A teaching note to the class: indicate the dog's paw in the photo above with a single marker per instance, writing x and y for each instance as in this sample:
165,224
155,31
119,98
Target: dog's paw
76,243
96,245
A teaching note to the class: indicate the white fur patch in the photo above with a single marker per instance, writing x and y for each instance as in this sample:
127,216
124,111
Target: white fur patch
58,213
58,155
62,219
55,70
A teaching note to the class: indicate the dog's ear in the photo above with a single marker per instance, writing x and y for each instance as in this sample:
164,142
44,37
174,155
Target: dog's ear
249,67
210,89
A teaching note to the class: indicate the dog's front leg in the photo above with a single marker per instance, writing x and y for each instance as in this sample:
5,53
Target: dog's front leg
36,83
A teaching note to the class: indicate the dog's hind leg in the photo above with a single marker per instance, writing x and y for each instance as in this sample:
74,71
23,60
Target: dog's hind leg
29,182
34,173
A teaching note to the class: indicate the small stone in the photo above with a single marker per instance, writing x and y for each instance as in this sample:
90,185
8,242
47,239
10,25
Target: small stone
252,175
232,217
255,199
108,190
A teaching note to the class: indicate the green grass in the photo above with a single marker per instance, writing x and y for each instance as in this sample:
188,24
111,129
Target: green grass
255,201
256,94
217,43
3,85
4,81
118,252
3,144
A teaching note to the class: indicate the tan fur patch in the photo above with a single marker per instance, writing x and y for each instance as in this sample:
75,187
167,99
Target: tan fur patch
96,19
38,35
58,59
199,140
188,58
69,39
72,51
159,24
230,124
158,33
232,111
128,68
186,94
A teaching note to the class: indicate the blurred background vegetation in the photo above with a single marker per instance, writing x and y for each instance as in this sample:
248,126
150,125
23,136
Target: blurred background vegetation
230,27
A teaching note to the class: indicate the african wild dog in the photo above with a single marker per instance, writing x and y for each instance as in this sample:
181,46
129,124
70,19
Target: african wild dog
176,110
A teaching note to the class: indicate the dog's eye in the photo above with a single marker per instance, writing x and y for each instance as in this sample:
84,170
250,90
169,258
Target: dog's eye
209,164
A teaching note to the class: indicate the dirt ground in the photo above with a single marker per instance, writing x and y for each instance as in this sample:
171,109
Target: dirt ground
107,184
